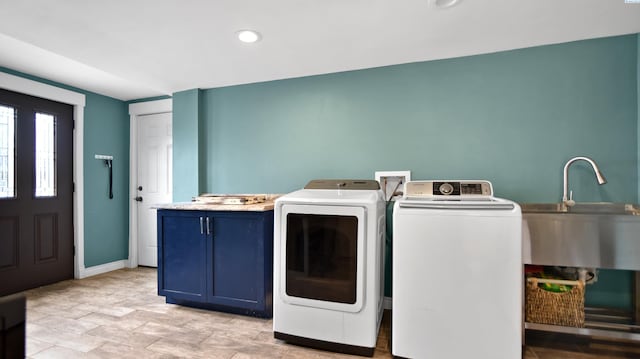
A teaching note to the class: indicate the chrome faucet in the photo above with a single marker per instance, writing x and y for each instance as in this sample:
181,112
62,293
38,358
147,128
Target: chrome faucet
601,180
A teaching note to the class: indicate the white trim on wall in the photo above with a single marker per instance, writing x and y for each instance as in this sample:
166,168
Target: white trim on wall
39,89
104,268
135,110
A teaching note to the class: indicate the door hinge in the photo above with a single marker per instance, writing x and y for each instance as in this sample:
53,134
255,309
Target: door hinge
73,187
74,251
73,124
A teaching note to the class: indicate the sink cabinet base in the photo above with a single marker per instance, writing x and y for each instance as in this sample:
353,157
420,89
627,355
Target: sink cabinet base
603,333
602,322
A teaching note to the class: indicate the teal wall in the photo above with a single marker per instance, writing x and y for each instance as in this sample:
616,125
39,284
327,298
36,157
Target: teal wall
513,118
187,152
613,289
106,131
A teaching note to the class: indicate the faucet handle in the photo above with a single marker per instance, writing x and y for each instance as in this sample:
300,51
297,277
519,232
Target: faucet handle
570,202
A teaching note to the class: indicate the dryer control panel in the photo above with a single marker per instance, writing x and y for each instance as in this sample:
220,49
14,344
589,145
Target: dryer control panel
449,190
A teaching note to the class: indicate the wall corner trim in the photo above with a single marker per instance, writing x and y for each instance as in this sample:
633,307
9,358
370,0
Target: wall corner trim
151,107
102,268
29,87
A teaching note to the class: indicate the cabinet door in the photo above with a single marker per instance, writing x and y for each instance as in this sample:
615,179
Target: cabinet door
237,265
182,255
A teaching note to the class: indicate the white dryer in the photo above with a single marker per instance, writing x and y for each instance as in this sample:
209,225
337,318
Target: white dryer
328,265
457,272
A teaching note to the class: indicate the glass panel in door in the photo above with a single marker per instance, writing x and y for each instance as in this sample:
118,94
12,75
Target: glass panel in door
7,151
45,174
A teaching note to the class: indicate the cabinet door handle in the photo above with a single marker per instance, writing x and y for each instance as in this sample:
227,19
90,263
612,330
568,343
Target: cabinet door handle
201,226
208,228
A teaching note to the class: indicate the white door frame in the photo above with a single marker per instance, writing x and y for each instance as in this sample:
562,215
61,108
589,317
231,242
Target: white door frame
39,89
135,110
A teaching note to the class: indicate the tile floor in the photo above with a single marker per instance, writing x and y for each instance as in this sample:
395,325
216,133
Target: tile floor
120,315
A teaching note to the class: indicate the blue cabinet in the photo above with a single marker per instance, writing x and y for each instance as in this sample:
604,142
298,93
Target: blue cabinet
220,260
182,256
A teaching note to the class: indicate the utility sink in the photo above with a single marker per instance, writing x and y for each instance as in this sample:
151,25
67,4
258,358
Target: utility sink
592,235
583,208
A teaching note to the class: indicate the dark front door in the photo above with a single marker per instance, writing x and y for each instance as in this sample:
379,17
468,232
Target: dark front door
36,192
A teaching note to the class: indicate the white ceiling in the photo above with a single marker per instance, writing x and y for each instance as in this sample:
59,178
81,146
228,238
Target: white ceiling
130,49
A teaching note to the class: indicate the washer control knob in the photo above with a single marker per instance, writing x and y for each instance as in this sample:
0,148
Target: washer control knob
446,189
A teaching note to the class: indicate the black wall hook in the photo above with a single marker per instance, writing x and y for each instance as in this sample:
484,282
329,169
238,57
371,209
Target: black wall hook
109,164
108,161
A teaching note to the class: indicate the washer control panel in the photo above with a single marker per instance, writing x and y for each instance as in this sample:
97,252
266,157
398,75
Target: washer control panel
449,190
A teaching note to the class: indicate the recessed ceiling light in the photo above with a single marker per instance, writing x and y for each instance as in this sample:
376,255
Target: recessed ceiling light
446,3
248,36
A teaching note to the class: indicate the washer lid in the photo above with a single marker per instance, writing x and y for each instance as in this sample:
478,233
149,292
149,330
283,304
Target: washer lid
489,204
343,184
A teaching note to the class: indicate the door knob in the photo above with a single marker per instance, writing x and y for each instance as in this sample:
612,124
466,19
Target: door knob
138,199
139,188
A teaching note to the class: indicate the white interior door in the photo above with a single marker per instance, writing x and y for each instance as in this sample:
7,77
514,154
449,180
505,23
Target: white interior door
154,180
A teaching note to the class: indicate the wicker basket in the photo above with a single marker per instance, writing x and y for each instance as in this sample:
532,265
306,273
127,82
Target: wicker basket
544,307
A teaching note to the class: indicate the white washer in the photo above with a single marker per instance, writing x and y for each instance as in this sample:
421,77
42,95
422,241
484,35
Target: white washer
457,272
328,265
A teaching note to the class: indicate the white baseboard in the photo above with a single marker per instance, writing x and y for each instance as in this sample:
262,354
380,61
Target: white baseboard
102,268
386,303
